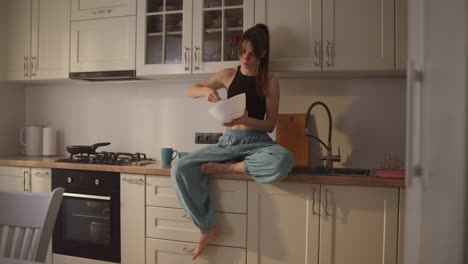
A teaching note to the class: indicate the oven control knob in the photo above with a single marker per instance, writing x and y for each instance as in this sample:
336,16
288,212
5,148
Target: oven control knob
69,179
96,181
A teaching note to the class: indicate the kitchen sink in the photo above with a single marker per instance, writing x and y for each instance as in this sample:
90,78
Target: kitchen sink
334,171
350,171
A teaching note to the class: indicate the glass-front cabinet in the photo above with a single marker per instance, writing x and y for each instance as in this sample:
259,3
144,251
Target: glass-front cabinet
185,36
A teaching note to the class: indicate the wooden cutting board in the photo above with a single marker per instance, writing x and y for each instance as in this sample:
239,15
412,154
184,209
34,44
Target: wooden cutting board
290,134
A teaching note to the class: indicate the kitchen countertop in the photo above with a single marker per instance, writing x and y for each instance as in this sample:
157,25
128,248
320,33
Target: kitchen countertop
157,169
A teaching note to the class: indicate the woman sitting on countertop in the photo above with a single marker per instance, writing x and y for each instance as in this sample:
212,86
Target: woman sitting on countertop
245,146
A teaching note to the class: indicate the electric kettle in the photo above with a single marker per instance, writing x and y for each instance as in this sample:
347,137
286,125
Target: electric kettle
31,139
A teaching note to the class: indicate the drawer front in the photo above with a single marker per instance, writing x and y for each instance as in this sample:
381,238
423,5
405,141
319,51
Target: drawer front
227,195
170,223
91,9
164,251
13,171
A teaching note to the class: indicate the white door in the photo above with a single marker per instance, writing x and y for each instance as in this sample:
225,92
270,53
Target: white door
164,37
401,34
41,181
132,218
50,45
283,223
358,225
437,118
295,33
217,28
103,44
358,35
12,179
18,39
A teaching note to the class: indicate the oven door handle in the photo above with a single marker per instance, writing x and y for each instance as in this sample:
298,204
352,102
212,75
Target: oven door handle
87,196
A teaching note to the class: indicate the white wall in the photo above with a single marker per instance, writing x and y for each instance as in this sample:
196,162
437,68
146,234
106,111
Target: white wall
12,96
12,114
369,115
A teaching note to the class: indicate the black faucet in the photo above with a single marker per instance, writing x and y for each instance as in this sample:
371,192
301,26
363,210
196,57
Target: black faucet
329,158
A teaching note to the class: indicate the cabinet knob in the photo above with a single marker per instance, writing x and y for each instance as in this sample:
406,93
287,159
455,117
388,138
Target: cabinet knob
69,179
97,182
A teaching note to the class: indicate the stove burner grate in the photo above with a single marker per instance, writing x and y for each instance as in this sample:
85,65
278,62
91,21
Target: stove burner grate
106,158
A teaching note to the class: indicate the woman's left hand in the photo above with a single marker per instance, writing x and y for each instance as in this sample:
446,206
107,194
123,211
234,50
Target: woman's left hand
239,121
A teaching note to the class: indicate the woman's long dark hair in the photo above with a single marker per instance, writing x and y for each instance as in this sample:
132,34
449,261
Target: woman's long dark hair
259,37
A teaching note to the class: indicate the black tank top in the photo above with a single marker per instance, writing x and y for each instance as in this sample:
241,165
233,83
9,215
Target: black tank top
255,105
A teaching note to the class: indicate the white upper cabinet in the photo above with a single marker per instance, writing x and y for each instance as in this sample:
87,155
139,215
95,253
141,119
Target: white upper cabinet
358,35
217,28
185,36
295,33
18,39
38,34
91,9
329,35
401,34
103,44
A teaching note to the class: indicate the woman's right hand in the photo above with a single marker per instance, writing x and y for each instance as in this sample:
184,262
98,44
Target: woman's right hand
213,95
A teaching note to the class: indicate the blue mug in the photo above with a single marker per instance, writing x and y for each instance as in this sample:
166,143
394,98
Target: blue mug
168,155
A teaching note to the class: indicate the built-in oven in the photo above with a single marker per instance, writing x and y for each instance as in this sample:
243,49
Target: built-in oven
88,223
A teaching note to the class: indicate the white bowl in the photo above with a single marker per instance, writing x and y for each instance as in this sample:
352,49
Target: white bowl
227,110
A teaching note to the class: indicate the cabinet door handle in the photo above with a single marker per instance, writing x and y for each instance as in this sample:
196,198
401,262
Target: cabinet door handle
313,201
186,217
187,250
197,59
26,64
329,53
414,107
33,66
27,181
133,180
186,64
102,11
316,52
326,203
39,173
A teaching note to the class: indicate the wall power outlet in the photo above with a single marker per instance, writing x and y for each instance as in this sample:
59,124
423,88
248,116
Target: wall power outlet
207,138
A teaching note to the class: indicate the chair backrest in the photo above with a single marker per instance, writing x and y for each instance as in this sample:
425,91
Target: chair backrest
26,223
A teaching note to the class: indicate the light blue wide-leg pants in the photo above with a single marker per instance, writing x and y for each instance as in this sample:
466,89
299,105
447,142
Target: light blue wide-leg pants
264,160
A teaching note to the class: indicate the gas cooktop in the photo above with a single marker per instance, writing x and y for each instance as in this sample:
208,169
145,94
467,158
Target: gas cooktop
106,158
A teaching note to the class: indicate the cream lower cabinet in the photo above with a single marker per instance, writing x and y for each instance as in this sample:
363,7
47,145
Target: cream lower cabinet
132,218
283,223
302,223
358,225
41,181
12,179
171,236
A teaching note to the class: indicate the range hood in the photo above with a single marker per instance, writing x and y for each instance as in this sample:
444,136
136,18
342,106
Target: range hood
104,76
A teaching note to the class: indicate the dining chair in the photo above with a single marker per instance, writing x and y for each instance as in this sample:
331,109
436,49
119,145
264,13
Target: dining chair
26,223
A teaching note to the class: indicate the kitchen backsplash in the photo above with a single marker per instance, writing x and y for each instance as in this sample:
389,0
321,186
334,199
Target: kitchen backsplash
12,109
368,115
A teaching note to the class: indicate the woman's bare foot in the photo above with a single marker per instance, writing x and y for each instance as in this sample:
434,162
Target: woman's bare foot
227,167
206,237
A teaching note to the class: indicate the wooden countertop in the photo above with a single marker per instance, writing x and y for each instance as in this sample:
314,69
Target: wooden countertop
157,169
